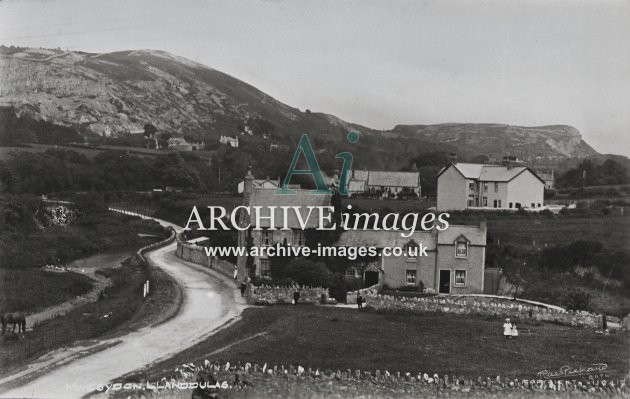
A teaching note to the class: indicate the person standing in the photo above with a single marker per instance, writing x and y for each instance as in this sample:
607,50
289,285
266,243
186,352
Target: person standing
514,331
359,301
235,273
507,329
296,296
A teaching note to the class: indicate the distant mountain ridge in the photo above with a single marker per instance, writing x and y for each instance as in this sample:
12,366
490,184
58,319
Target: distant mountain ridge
117,93
498,139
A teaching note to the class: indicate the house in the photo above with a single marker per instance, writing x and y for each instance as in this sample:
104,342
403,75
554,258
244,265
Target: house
548,177
181,144
454,264
231,141
259,183
467,185
294,236
384,183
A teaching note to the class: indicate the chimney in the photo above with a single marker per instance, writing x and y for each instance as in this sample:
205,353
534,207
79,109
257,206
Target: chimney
483,224
248,185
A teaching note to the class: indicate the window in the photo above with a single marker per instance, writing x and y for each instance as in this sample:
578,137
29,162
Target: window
499,201
411,277
485,201
495,203
471,185
485,187
461,249
539,205
351,272
460,278
510,205
496,187
267,237
265,268
471,200
533,205
299,238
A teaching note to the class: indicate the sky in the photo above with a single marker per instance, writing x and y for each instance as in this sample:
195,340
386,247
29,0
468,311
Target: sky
379,63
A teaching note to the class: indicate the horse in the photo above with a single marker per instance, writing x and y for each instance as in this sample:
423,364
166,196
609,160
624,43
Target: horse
16,318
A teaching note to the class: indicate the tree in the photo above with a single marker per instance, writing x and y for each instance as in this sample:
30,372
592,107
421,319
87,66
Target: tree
516,264
149,130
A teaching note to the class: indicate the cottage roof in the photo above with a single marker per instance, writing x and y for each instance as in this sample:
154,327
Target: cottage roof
476,235
394,179
356,185
301,198
489,172
177,141
360,175
499,173
469,170
384,238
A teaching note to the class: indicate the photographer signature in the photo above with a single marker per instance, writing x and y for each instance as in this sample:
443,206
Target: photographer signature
569,371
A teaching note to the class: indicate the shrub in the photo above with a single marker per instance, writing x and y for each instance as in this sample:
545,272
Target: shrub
337,288
307,272
577,299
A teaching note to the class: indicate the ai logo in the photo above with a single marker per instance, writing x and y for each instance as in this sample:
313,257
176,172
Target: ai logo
304,147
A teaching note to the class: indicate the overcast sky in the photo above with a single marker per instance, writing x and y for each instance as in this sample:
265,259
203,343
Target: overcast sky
379,63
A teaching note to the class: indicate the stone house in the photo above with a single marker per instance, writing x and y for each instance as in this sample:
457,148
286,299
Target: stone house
454,263
477,186
231,141
181,144
295,236
259,183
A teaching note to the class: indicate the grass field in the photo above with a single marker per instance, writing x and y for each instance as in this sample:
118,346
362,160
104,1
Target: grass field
334,338
122,302
612,230
31,290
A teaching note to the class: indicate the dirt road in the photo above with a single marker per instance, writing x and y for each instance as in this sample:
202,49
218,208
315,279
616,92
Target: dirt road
210,300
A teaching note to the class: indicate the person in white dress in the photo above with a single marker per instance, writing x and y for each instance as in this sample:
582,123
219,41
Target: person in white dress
507,329
514,331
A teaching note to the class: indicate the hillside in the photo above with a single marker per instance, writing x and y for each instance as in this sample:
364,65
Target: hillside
116,94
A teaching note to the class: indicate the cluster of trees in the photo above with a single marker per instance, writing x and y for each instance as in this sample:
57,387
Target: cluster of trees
24,243
16,131
429,164
589,173
530,272
57,170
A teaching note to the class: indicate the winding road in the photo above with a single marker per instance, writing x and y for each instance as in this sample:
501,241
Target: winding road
210,301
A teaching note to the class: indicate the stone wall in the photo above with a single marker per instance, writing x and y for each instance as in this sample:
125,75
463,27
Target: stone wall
484,306
268,295
256,377
197,254
143,250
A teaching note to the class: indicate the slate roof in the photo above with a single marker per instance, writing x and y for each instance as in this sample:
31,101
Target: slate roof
384,238
476,235
302,198
360,175
489,172
394,179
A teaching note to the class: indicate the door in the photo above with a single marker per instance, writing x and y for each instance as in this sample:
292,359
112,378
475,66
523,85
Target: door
445,282
371,278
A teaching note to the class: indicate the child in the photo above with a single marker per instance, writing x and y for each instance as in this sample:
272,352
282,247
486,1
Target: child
514,331
507,329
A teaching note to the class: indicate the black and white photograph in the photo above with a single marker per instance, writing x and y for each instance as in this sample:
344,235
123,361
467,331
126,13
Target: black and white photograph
215,199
